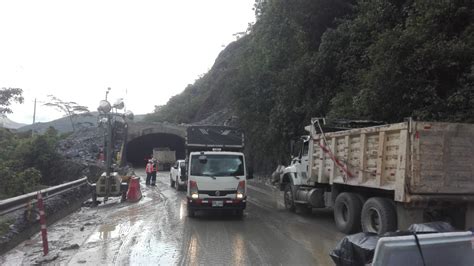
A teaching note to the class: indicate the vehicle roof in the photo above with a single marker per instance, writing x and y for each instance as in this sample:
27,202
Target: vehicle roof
218,152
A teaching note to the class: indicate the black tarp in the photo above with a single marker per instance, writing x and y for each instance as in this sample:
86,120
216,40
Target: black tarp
214,136
358,249
354,250
436,227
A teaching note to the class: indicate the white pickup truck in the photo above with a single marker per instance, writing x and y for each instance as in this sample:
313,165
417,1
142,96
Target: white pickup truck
177,175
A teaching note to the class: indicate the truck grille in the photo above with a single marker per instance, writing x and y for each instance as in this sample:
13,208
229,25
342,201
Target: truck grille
221,192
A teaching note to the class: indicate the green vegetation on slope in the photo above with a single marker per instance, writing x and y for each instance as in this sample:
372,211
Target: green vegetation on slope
366,59
26,162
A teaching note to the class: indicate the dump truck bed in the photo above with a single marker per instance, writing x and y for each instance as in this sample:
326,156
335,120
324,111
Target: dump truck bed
202,138
410,158
164,156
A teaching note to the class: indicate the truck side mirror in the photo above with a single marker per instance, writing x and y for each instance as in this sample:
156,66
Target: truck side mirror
250,173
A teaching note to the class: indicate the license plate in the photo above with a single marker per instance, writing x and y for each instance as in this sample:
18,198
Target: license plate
217,203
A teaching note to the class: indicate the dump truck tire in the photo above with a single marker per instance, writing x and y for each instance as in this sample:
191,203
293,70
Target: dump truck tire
347,212
379,216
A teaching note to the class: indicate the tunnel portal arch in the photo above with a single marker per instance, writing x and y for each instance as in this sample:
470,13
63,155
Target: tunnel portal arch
140,148
142,137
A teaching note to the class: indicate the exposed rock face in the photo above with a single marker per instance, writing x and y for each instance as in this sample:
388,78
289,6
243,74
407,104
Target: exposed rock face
83,145
82,151
223,117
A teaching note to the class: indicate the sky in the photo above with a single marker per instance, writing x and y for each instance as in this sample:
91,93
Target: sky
145,51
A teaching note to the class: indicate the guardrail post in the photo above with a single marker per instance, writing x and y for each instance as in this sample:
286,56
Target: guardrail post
44,235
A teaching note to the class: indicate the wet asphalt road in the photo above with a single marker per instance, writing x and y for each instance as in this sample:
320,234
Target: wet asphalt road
156,230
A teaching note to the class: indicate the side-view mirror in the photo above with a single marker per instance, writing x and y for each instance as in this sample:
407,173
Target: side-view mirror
250,173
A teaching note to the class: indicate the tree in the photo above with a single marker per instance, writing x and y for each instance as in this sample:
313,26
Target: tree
70,109
7,97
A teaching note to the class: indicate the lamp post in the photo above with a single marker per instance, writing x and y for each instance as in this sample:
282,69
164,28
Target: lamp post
106,115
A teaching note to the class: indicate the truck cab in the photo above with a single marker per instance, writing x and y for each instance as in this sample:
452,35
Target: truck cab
217,180
298,170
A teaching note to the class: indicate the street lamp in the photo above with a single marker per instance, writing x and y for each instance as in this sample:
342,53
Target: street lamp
107,117
119,104
129,115
104,107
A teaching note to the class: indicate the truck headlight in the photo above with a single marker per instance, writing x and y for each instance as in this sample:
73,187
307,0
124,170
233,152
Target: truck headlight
240,190
193,189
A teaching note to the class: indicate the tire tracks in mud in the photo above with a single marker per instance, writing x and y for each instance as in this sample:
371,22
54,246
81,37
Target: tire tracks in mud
157,230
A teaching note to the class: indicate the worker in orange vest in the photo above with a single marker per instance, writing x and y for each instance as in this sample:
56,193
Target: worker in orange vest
149,171
153,172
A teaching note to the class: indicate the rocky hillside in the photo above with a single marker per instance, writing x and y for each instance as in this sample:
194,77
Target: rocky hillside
356,59
63,124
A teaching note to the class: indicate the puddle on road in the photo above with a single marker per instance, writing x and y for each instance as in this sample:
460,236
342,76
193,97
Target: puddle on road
111,231
161,254
105,232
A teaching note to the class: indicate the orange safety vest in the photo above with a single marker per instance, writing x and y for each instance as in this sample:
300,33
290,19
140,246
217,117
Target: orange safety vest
149,168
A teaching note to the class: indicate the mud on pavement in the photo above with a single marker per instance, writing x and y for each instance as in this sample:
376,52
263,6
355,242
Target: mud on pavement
157,231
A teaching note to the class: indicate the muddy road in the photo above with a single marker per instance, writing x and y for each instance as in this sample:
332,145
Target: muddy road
156,230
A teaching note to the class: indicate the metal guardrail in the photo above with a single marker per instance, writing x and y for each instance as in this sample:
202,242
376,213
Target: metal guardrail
19,202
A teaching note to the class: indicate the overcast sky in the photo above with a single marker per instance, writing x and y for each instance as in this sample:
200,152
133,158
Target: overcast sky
76,49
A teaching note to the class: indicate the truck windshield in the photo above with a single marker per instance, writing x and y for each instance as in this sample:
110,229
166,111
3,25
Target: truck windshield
217,165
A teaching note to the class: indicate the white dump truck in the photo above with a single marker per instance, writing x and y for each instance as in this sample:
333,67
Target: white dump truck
384,178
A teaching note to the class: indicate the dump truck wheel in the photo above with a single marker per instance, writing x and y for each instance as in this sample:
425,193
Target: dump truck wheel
347,212
379,216
289,198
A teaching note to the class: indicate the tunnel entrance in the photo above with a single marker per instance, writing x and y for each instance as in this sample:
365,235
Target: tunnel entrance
141,148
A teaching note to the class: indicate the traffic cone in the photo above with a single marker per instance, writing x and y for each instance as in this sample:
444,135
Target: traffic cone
134,193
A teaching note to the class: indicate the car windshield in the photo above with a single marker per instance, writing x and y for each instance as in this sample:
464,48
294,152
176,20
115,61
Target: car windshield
217,165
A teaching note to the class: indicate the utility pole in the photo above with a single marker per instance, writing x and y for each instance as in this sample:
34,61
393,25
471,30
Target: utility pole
108,160
34,120
109,151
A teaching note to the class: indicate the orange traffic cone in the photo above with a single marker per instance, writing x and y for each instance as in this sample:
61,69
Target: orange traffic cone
134,193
